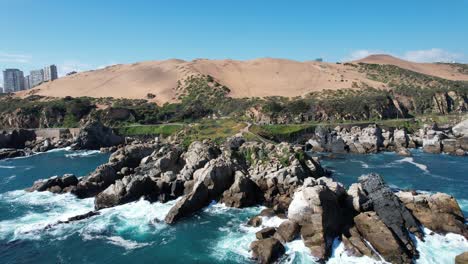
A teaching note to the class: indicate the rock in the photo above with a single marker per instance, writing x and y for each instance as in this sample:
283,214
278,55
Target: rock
356,197
439,212
255,221
197,155
54,184
460,152
211,182
373,229
129,189
462,258
267,250
317,210
461,129
463,143
243,193
268,212
287,231
355,245
449,145
265,233
11,153
432,144
16,139
404,152
94,135
234,143
391,211
97,181
400,138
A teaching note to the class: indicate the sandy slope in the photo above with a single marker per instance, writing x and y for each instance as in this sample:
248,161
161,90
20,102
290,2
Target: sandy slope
440,70
252,78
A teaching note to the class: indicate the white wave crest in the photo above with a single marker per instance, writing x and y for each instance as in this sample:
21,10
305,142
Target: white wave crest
440,248
411,161
7,167
80,154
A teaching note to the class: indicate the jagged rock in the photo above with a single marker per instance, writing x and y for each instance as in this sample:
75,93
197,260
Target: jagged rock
211,182
400,138
449,145
355,244
255,221
432,144
94,135
16,139
97,181
197,155
287,231
382,239
54,184
461,129
129,189
265,233
267,250
317,210
390,210
439,212
404,152
243,192
234,143
462,258
11,153
356,197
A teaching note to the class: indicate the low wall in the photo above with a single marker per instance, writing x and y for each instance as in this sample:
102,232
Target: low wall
56,132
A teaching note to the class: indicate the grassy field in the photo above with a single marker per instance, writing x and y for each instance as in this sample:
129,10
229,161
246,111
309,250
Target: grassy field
215,130
150,130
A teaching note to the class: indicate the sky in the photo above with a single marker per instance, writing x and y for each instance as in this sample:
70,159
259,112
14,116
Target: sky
90,34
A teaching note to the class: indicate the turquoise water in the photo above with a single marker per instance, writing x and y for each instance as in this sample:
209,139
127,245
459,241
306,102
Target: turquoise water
134,232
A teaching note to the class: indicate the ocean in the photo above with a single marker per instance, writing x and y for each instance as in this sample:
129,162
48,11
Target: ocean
136,233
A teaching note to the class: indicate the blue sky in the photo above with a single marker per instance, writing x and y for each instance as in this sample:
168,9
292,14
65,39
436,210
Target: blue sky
86,34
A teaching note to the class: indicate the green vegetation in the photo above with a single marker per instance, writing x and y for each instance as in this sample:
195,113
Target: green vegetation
281,132
215,130
153,130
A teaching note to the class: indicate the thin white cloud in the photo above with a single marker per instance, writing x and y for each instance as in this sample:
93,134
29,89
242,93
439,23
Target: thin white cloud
360,54
72,65
106,65
14,58
430,55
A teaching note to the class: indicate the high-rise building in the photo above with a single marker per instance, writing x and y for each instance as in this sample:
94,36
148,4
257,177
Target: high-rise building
27,82
13,80
50,73
1,90
36,78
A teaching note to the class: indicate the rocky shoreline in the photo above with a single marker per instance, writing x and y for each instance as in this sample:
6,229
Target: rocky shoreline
372,139
370,218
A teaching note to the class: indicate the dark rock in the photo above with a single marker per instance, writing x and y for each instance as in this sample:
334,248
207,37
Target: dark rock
268,212
94,135
267,250
11,153
16,139
243,193
97,181
265,233
391,211
54,184
355,244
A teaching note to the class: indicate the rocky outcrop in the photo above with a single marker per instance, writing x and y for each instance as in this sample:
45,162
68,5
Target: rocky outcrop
8,153
242,193
317,210
439,212
197,155
211,181
55,184
374,230
462,258
287,231
16,139
390,211
122,160
267,250
94,135
461,129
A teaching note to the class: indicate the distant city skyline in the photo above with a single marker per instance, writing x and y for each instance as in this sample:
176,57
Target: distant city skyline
131,31
16,80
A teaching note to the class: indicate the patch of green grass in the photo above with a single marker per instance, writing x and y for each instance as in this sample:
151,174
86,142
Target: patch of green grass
165,130
281,132
215,130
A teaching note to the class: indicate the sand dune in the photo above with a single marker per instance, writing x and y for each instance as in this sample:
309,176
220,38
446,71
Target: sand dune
252,78
440,70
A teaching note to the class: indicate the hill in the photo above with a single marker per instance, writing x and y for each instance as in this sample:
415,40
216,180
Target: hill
252,78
